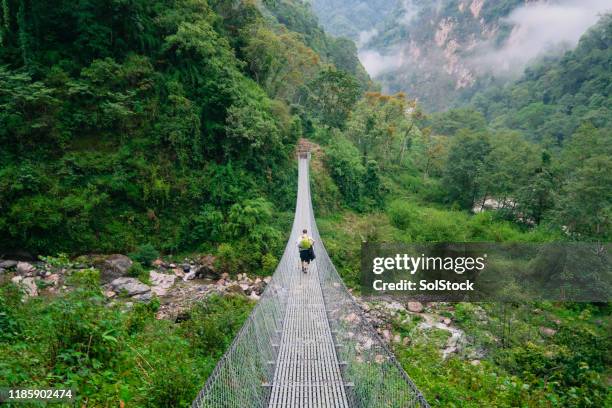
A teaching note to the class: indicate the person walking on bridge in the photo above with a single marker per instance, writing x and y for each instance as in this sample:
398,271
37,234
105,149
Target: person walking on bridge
305,245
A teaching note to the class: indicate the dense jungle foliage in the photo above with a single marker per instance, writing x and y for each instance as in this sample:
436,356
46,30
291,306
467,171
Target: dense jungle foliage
166,122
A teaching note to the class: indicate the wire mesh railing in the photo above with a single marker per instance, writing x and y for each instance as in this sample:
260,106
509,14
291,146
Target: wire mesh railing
244,375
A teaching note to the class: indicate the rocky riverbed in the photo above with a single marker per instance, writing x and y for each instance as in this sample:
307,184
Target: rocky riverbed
176,285
404,323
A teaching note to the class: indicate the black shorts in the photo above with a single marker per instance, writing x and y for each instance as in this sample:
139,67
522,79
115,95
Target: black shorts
306,255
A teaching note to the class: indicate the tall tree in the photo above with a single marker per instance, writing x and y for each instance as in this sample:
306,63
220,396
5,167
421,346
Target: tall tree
464,167
332,95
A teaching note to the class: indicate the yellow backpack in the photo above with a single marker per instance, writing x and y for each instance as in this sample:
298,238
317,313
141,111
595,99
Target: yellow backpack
305,242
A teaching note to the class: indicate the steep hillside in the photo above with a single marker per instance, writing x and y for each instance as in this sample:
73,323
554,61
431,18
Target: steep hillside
442,52
165,122
554,97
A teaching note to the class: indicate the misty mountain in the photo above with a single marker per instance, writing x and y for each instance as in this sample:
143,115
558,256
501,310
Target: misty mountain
443,52
353,19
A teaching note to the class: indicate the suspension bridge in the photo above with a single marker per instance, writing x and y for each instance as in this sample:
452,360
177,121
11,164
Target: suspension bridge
307,343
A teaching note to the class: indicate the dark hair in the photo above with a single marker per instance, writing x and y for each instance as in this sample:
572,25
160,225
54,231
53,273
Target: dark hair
305,230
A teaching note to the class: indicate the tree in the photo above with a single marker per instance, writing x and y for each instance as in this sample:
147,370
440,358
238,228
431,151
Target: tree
507,168
279,62
464,167
372,187
344,164
379,125
535,198
332,95
584,199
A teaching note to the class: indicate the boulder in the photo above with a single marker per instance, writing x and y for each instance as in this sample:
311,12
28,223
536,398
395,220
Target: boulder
415,307
161,282
113,267
189,276
144,297
132,286
386,334
53,279
162,279
25,269
207,268
234,288
8,264
28,285
258,287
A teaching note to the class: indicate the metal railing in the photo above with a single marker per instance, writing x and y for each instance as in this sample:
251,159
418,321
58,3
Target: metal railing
243,376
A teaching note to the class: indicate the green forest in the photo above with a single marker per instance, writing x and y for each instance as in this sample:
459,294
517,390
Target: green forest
170,127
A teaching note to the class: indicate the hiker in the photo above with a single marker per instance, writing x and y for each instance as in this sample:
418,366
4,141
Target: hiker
305,245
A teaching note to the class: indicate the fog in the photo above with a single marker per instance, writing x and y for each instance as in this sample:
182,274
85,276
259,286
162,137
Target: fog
540,28
377,64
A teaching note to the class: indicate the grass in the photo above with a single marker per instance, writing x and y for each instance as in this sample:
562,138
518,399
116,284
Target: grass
110,355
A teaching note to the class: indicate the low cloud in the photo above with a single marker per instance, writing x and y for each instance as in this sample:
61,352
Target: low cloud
540,28
377,64
409,10
365,37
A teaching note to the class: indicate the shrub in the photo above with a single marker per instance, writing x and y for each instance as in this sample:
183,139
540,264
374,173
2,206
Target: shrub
145,254
402,214
79,341
268,263
137,271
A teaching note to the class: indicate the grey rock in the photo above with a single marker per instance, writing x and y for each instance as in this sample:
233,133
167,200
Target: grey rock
144,297
162,279
234,288
189,276
113,267
130,285
8,264
161,282
25,269
415,307
28,285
